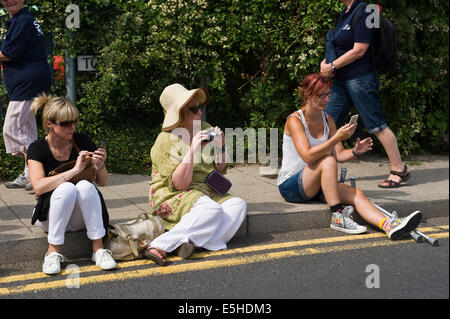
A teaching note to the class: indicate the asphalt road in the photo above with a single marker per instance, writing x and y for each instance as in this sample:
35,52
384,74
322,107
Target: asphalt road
314,264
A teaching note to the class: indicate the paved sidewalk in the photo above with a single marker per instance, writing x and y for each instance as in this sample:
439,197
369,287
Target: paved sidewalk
127,195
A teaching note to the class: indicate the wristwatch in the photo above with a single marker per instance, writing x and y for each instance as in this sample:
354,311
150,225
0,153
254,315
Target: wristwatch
333,67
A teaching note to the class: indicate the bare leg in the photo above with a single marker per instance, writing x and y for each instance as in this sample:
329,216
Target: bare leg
53,248
97,244
389,141
322,173
356,198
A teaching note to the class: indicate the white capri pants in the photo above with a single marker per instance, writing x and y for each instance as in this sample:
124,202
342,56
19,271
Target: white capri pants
73,208
208,224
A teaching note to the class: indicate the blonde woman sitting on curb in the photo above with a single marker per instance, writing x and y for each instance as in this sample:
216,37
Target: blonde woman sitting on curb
63,206
194,214
312,145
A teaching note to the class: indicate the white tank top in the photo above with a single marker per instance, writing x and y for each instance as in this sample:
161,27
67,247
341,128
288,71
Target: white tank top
292,162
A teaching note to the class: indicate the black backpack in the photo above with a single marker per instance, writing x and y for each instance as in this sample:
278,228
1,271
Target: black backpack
384,48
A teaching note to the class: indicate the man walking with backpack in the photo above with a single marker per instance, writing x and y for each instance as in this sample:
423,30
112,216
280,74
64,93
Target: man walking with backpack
352,59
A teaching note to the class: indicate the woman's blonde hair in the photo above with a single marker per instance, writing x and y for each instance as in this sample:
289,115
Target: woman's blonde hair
55,109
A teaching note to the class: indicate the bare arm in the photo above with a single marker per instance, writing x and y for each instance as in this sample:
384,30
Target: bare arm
4,58
220,161
295,129
42,184
339,152
344,155
182,176
98,160
358,51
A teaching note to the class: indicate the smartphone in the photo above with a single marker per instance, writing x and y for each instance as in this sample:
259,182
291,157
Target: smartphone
101,144
354,119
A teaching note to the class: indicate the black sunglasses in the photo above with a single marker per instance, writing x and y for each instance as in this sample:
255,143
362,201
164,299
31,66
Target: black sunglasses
194,109
66,123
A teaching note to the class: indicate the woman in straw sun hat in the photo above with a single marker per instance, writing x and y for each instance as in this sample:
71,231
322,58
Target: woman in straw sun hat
194,214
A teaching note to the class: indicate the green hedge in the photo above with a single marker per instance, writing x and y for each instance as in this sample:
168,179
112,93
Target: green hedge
250,54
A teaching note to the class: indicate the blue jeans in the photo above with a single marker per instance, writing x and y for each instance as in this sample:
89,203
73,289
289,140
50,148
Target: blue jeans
292,190
364,94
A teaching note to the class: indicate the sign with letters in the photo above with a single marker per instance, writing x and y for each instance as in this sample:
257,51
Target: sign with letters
86,63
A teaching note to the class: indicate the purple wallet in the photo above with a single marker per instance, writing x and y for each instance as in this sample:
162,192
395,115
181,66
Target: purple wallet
218,182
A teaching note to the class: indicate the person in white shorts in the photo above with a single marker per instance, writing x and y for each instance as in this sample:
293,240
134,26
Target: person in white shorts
312,146
26,74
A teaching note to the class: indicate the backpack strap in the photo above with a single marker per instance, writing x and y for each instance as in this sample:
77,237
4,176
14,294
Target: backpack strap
372,47
356,15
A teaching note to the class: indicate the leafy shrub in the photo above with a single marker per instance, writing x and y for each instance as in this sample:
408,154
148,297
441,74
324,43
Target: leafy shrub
251,55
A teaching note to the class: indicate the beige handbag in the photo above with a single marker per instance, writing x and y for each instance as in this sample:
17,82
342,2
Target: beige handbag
128,240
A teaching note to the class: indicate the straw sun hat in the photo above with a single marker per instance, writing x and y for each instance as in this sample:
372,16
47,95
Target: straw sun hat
174,98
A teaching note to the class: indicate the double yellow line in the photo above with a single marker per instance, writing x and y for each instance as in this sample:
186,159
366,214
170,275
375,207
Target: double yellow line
256,254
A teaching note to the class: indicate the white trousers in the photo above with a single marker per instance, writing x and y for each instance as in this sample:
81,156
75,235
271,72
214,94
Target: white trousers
208,224
19,129
73,208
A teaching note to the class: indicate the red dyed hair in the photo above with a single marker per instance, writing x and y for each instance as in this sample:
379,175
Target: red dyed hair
314,85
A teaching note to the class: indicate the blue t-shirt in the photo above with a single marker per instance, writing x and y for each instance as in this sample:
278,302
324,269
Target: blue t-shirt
27,74
346,39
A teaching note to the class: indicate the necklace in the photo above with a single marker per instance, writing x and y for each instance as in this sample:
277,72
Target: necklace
60,153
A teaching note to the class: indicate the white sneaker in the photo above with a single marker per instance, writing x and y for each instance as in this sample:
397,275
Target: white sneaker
342,220
20,182
52,263
103,259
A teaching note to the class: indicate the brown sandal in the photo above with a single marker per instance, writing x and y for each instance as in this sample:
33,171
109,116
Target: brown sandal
404,175
159,257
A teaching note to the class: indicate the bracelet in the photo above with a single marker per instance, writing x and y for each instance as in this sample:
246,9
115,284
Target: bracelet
354,153
98,170
64,178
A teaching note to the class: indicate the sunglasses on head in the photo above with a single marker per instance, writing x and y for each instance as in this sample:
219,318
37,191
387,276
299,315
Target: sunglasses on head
194,109
66,123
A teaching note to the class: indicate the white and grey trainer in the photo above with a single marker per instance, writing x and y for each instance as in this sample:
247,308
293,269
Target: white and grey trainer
342,220
20,182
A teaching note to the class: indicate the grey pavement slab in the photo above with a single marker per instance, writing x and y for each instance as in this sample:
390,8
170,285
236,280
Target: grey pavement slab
427,191
126,196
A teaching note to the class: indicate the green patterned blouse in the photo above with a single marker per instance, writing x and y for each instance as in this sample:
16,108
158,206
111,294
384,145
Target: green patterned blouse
166,201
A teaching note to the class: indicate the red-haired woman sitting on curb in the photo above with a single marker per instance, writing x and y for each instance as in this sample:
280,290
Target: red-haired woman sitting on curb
312,146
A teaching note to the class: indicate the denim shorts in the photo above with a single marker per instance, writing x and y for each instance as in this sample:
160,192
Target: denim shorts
292,190
364,94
